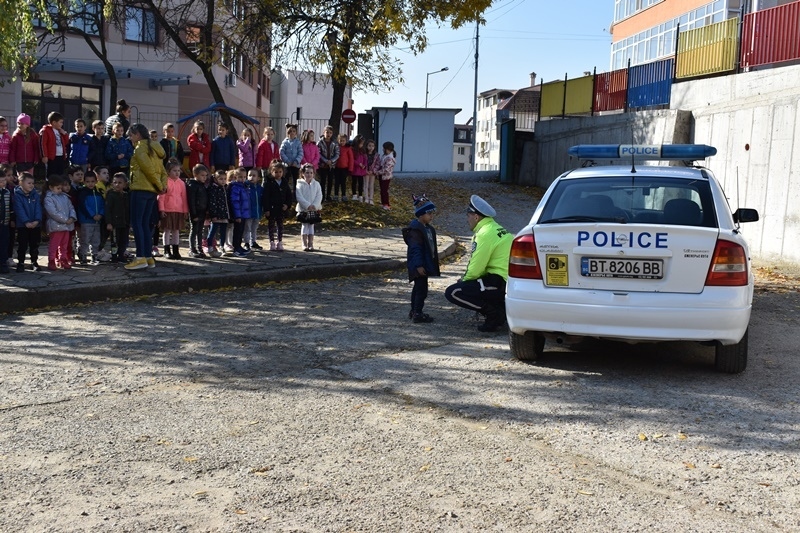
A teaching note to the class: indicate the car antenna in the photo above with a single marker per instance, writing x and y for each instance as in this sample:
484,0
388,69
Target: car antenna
633,153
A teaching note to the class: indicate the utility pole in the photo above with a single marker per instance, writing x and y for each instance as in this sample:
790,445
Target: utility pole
475,99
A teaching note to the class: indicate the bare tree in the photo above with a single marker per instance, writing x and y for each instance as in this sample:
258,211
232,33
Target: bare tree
209,32
86,19
353,39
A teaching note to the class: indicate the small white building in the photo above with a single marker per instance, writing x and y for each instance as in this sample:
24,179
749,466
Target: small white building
303,98
424,143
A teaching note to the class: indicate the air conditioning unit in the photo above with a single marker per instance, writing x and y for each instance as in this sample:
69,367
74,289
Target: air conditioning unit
230,80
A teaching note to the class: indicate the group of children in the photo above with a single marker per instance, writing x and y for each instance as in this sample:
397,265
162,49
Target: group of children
224,200
336,161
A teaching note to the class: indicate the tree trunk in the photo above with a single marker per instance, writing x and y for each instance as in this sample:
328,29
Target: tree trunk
337,104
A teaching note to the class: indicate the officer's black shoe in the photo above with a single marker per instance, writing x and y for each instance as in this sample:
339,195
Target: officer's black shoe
491,325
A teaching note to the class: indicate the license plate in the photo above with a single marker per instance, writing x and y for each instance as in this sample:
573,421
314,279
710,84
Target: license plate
596,267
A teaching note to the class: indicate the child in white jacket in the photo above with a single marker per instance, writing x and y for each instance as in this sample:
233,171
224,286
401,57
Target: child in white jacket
61,218
309,199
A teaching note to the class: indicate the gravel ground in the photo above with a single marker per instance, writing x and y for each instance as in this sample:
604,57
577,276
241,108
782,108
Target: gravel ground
317,406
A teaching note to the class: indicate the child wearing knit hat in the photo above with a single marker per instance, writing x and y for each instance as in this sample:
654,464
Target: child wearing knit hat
423,255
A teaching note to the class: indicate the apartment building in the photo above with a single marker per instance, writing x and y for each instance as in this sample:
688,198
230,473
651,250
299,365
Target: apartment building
646,30
160,83
462,147
487,139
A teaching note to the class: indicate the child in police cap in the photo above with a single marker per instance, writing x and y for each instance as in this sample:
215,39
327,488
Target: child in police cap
423,255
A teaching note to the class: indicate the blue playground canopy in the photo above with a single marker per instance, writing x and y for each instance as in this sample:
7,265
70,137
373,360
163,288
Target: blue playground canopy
217,107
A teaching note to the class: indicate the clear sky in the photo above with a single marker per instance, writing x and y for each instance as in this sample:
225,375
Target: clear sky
549,37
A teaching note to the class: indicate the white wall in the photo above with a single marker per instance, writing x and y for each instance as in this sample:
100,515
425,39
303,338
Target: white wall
316,99
428,137
753,119
461,158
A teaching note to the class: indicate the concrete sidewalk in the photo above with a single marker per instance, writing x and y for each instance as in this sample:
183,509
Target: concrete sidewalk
338,253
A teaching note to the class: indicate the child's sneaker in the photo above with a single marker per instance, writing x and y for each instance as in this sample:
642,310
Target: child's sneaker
355,197
215,253
279,246
273,246
20,267
255,246
419,318
156,252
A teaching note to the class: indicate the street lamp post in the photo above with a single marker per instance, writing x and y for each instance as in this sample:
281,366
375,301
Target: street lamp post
427,77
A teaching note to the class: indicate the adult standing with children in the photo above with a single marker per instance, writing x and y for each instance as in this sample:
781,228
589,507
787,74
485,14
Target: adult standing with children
483,287
148,180
123,116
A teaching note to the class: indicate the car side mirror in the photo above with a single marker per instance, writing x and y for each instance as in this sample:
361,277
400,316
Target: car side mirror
744,214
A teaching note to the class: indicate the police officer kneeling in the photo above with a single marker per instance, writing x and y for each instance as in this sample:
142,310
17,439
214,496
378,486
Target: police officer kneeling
483,287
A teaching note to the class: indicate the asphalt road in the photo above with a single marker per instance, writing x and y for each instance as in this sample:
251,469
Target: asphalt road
317,406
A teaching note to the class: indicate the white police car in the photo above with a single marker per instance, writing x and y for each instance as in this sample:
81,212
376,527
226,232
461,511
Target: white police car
633,253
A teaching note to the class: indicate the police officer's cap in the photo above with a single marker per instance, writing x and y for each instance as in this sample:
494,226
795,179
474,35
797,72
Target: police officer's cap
480,206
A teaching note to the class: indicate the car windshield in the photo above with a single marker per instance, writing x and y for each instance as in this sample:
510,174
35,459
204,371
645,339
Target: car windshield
631,199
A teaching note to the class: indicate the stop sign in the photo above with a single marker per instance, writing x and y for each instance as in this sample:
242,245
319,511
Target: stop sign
348,116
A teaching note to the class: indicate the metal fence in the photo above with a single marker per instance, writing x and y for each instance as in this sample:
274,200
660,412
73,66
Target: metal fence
771,36
767,37
708,50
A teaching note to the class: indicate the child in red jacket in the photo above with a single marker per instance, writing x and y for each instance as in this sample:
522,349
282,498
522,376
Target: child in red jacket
200,145
55,144
344,167
25,150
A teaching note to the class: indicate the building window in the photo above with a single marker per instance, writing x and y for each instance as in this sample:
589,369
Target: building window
460,166
299,113
299,86
140,25
658,42
625,8
194,35
73,101
461,150
83,15
462,135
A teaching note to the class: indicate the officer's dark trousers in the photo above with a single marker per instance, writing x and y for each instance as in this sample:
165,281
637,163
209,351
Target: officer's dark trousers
489,301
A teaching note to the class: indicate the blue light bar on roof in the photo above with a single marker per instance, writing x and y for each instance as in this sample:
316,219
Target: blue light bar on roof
642,152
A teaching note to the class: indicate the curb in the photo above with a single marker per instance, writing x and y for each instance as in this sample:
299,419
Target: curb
55,297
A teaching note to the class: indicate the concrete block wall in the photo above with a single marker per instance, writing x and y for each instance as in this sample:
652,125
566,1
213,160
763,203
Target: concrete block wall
752,118
555,137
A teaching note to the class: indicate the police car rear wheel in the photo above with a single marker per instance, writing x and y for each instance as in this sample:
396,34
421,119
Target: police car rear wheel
732,358
527,347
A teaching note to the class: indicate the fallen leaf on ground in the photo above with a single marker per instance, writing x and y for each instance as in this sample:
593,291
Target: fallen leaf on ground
642,436
716,465
240,511
688,465
424,468
190,459
683,436
586,492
